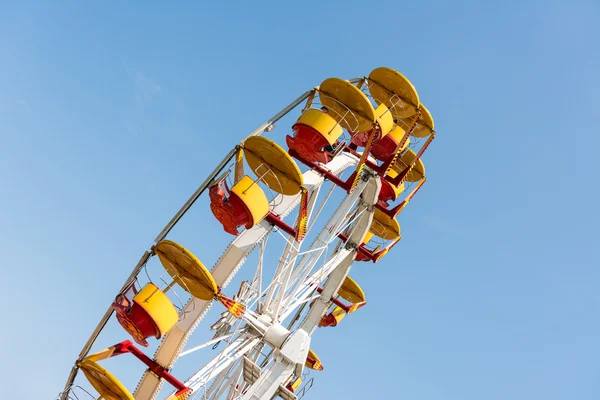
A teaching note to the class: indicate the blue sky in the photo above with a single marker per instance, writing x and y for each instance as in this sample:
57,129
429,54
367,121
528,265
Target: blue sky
111,114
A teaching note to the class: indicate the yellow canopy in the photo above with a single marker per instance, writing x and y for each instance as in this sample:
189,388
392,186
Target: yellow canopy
186,270
104,382
273,165
347,104
351,291
391,88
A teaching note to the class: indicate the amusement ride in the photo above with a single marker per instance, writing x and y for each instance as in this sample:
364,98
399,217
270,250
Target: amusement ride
331,189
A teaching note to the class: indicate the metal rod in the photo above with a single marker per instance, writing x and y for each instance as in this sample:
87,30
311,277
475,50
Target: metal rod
169,286
361,248
392,212
385,167
336,301
281,113
212,341
159,370
323,171
397,181
278,222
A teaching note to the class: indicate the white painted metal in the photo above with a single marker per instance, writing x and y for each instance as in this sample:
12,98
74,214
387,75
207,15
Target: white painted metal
286,266
212,341
355,238
320,245
290,358
276,335
231,353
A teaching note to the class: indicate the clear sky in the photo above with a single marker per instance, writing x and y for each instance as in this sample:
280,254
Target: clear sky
111,114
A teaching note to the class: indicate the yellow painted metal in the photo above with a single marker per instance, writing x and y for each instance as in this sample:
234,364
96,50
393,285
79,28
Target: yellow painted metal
356,306
302,220
347,104
317,364
425,123
338,313
296,384
103,381
397,134
351,291
323,123
418,170
385,119
158,306
391,88
384,226
273,165
102,354
239,165
253,197
181,396
186,270
368,237
397,189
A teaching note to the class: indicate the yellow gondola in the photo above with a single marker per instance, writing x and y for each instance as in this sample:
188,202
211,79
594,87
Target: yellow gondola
384,125
149,314
245,204
315,135
385,149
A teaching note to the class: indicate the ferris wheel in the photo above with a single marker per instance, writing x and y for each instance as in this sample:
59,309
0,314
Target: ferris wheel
330,191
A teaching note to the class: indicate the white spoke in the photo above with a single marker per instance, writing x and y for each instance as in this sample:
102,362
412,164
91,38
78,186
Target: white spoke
213,341
231,353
